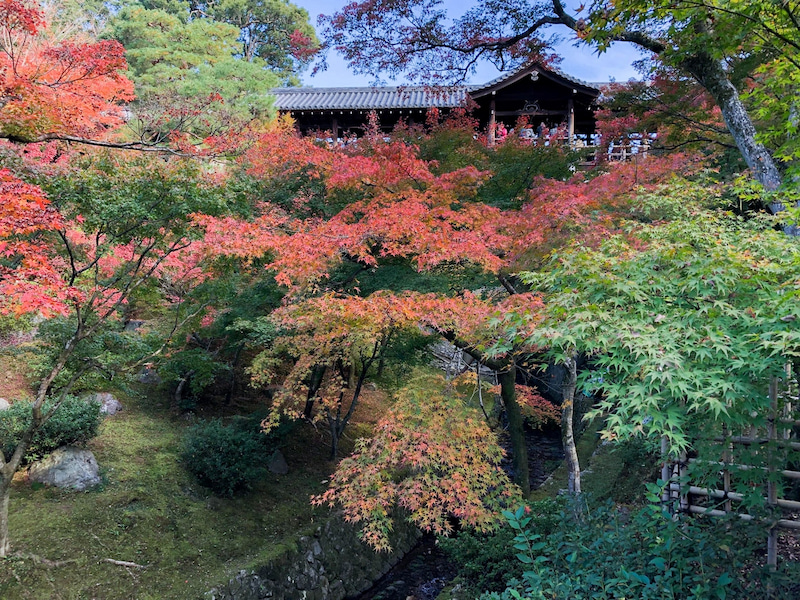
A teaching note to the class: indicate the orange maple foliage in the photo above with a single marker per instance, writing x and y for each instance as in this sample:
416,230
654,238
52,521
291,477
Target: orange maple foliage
432,457
50,87
30,279
400,206
403,210
342,333
588,207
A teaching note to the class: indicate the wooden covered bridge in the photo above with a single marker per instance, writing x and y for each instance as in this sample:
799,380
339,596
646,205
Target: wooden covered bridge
545,96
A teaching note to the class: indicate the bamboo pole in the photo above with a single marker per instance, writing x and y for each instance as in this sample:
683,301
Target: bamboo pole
682,470
772,486
786,473
726,472
710,512
735,496
666,469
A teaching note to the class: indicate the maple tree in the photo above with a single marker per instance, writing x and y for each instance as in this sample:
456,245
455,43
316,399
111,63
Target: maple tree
431,456
56,88
686,316
674,107
328,338
80,254
336,219
29,277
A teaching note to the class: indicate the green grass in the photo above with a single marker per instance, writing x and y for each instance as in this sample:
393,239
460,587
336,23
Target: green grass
149,511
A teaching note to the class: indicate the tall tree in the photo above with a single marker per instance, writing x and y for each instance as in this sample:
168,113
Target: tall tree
275,32
187,77
387,204
687,317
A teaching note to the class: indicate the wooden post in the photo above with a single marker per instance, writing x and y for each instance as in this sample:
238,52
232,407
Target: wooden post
772,486
570,121
666,475
492,124
335,129
726,472
682,471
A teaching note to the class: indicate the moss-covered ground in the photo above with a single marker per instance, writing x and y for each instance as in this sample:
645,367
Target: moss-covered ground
616,471
149,511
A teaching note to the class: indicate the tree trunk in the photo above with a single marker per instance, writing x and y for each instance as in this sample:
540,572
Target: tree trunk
710,73
334,437
567,432
314,383
519,449
7,470
5,493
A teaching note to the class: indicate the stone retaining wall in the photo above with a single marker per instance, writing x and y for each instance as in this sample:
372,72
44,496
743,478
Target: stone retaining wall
331,564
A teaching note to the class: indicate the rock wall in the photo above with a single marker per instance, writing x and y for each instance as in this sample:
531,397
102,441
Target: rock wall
331,564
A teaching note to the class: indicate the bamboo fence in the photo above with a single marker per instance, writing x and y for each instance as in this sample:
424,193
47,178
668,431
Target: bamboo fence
779,434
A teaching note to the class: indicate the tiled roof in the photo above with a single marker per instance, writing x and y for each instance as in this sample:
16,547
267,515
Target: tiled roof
367,98
530,68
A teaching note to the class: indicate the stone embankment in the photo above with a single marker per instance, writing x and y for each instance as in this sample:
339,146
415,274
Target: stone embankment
331,564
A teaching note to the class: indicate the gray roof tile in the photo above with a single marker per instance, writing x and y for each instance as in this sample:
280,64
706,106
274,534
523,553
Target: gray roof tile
366,98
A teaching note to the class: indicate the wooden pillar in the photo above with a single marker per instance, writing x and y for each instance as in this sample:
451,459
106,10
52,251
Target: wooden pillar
570,121
335,129
492,124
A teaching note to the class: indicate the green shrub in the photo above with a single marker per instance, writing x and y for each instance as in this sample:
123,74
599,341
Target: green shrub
488,561
74,423
606,553
198,367
229,458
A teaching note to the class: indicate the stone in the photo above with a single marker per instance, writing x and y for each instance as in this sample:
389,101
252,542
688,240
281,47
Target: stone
109,405
133,325
4,404
149,375
67,467
277,464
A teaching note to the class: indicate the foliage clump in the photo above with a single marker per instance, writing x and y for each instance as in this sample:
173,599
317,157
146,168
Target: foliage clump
605,552
74,423
432,458
486,561
228,458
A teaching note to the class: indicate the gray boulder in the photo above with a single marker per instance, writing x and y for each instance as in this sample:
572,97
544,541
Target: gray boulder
133,325
4,404
109,405
67,467
277,464
149,376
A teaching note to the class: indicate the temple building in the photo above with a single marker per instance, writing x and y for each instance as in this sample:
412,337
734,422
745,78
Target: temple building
545,96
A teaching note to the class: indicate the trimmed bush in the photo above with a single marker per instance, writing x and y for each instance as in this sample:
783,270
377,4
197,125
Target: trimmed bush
74,423
227,458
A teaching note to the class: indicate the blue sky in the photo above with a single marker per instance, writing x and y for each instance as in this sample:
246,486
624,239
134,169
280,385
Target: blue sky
580,61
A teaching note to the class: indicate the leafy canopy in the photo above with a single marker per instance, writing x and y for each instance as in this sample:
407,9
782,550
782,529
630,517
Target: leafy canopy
685,320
